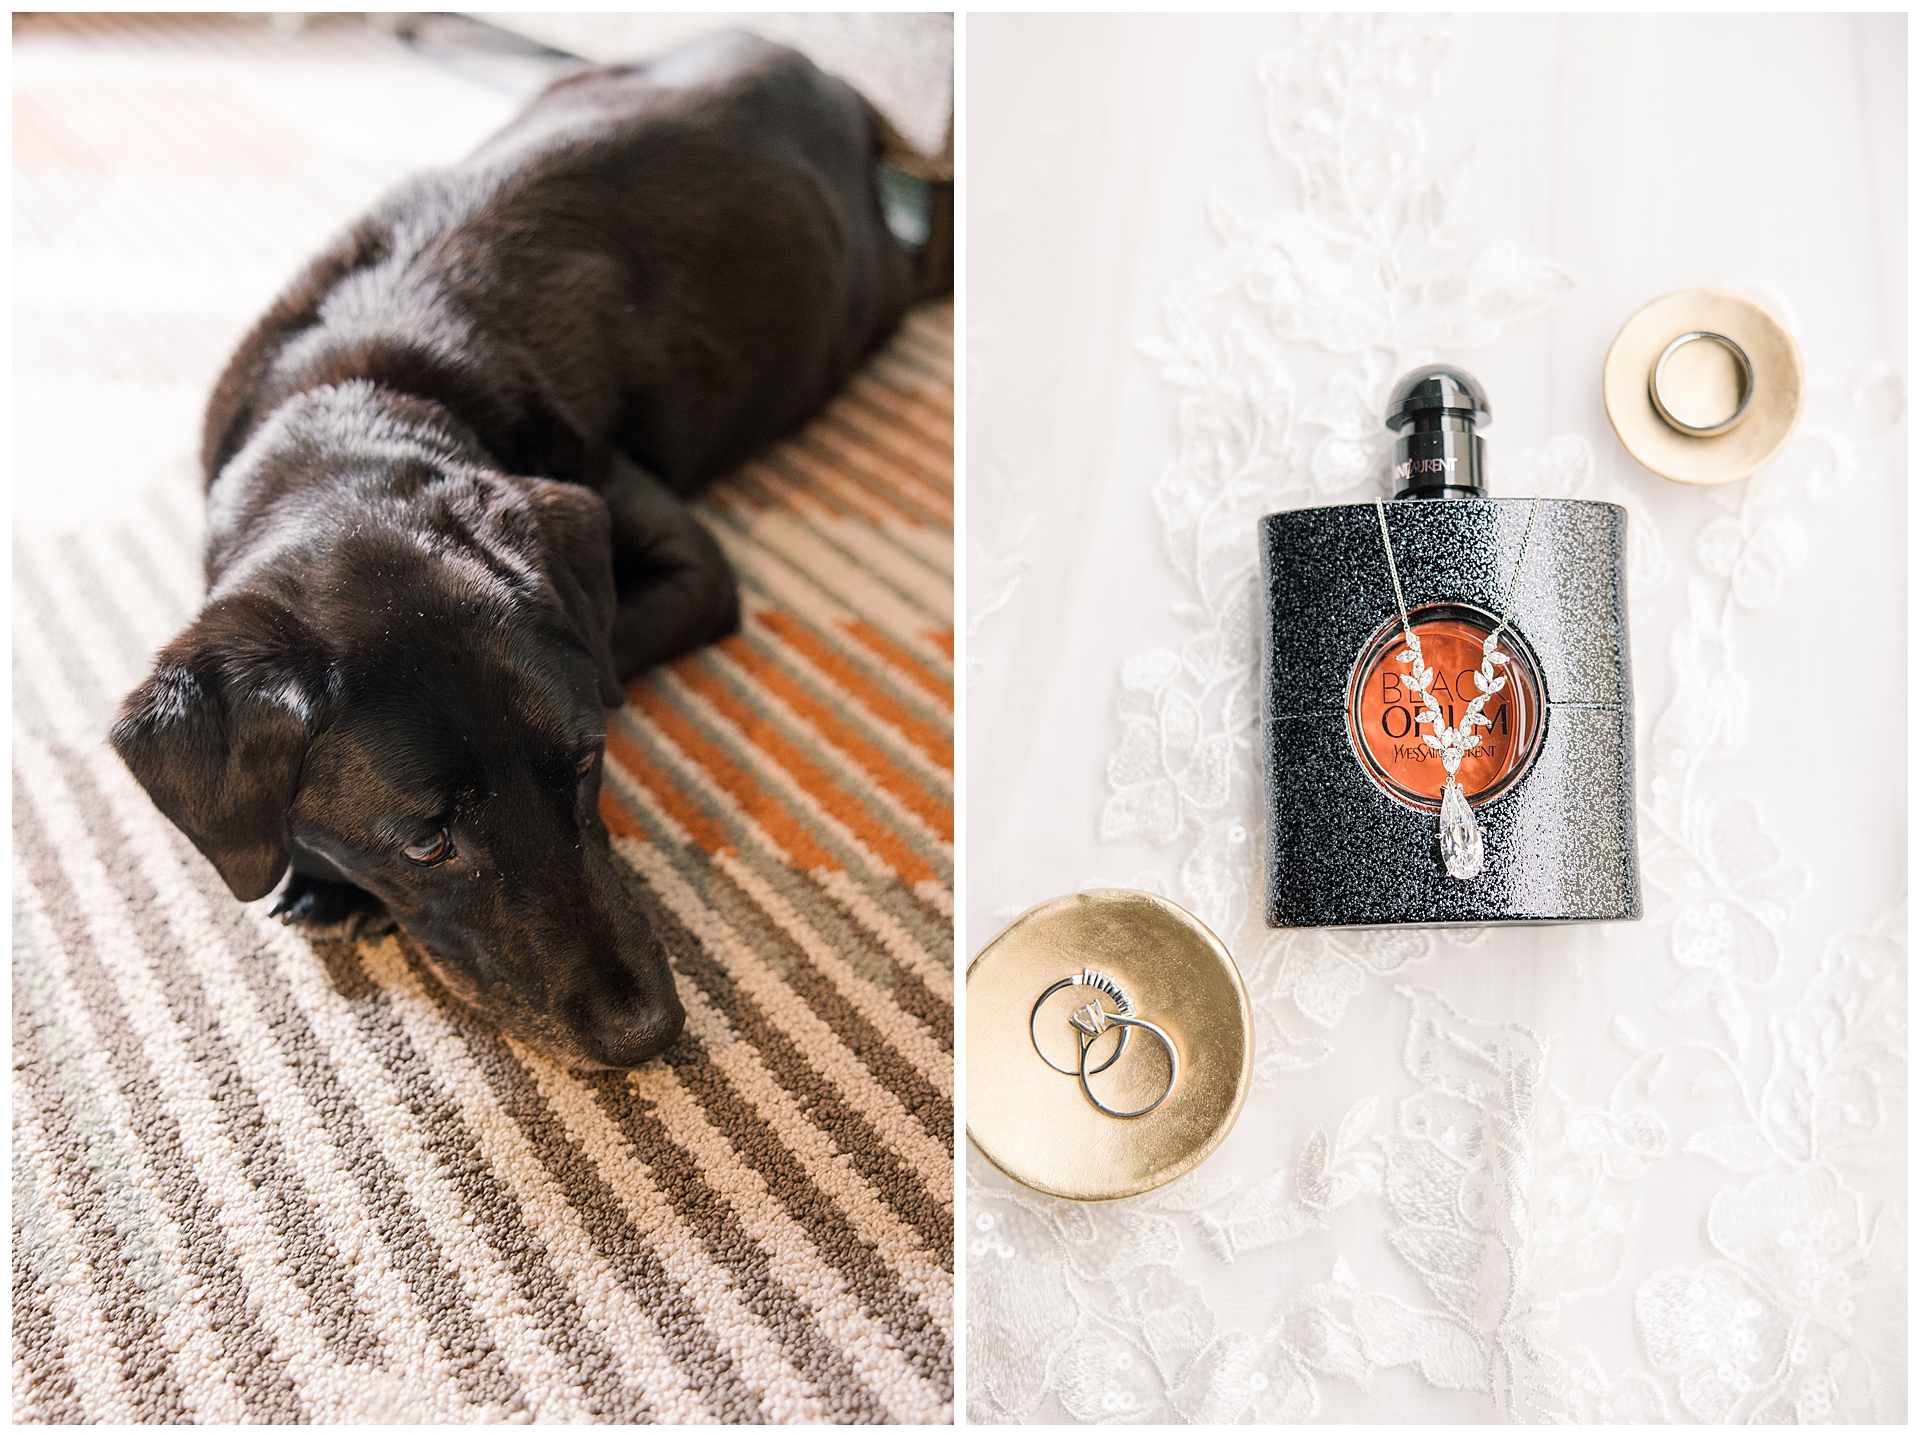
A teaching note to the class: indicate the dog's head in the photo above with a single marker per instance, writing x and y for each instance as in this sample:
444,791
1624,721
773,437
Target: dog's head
424,719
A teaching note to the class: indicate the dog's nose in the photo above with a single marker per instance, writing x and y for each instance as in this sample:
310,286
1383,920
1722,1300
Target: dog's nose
629,1041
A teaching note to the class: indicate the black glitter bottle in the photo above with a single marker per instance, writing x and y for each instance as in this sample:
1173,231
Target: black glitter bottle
1356,779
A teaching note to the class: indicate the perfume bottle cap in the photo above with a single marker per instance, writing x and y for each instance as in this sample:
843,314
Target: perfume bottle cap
1438,456
1437,389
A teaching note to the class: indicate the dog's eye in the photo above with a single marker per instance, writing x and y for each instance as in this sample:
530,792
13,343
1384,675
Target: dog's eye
586,762
437,849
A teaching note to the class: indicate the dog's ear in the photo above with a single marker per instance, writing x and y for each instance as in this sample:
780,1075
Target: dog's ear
576,538
217,734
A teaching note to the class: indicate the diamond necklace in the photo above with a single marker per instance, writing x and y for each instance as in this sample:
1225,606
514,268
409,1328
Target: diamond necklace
1460,843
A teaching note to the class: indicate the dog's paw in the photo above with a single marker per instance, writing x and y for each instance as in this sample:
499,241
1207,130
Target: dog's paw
324,909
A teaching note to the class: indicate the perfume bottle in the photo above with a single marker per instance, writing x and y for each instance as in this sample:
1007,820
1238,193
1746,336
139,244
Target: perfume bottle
1447,702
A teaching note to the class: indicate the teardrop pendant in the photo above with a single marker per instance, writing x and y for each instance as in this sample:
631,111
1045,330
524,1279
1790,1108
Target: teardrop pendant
1460,842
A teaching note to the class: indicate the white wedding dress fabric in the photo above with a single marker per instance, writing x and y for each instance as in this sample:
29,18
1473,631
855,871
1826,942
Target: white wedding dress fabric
1649,1171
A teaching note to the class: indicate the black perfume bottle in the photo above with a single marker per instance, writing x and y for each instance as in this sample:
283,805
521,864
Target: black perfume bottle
1483,772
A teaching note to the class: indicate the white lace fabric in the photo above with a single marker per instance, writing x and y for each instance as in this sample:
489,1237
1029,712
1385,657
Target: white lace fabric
1628,1172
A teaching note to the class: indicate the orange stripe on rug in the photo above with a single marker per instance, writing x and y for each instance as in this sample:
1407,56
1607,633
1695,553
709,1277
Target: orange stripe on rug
907,408
924,736
762,807
877,503
879,406
778,490
764,734
614,814
898,658
836,504
925,458
904,376
841,445
882,770
700,827
741,502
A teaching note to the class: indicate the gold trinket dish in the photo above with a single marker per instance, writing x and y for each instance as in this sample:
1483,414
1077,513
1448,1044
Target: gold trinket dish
1731,373
1135,954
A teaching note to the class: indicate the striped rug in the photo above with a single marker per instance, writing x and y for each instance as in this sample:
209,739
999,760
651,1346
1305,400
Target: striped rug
257,1178
261,1179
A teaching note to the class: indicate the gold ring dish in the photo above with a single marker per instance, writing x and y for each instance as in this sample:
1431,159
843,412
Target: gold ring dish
1707,380
1035,1125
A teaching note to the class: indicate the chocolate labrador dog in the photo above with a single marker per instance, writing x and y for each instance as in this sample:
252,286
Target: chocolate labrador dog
445,480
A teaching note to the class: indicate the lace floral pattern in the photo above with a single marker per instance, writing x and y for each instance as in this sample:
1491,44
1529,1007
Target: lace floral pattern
1369,267
1500,1187
1798,1319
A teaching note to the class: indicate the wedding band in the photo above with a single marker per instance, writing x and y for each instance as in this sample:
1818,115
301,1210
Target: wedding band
1656,384
1124,1023
1089,1024
1086,978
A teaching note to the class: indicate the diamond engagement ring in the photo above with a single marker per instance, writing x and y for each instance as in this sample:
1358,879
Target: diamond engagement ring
1092,1022
1100,983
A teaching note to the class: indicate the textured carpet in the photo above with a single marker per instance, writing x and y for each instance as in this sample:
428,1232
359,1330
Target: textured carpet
258,1179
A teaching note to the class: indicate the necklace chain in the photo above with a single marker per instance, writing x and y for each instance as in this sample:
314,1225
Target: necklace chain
1513,588
1461,845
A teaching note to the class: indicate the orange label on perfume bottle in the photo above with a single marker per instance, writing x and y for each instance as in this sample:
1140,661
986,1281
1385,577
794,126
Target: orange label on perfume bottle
1384,707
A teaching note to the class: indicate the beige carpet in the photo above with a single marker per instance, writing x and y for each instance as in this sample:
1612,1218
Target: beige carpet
261,1180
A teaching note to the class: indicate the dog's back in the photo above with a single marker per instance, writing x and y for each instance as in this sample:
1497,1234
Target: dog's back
681,260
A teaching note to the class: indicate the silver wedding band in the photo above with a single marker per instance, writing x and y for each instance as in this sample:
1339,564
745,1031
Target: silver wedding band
1656,384
1100,983
1124,1024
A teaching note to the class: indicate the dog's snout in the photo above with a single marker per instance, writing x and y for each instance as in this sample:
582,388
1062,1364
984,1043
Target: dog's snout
631,1039
571,966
